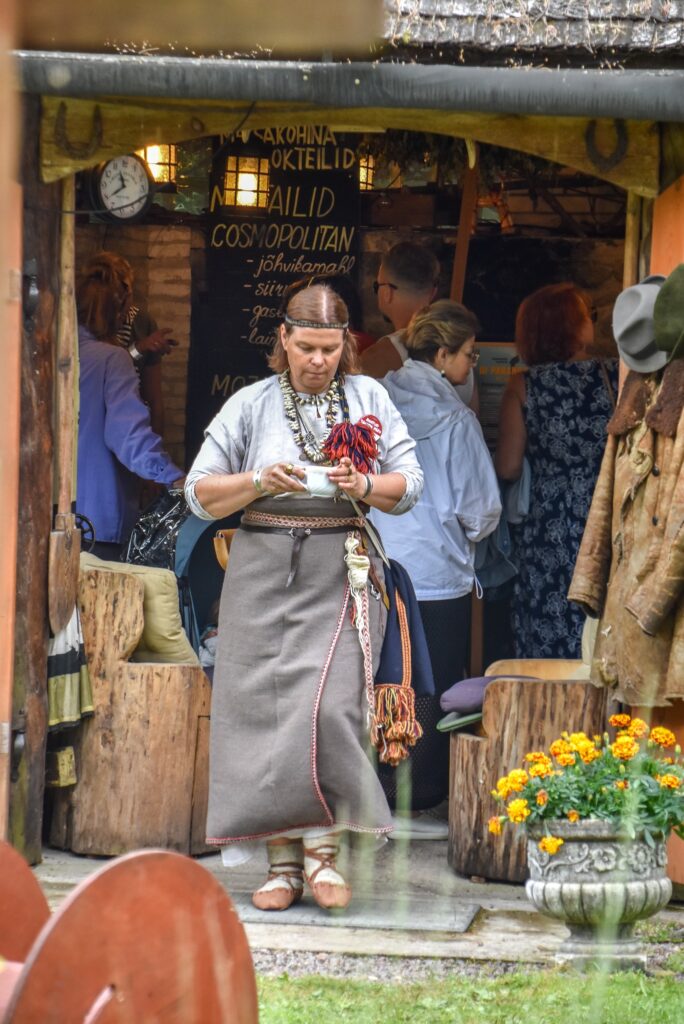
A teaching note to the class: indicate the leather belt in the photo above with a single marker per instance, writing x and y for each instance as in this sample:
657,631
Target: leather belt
298,535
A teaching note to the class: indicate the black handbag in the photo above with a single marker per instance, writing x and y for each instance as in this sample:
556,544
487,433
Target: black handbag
152,541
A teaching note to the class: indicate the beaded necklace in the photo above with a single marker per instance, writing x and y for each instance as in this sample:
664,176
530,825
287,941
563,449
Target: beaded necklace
304,438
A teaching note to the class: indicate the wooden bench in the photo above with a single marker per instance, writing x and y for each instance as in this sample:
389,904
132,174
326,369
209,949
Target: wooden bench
142,759
517,716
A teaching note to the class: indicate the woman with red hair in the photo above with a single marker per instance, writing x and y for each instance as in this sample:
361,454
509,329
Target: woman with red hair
555,416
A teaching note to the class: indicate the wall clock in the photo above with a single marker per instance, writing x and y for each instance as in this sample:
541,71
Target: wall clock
122,189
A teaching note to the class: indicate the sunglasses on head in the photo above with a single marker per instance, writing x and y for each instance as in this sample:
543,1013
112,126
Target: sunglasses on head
377,285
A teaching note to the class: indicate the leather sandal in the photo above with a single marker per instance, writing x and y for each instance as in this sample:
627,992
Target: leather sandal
329,895
280,897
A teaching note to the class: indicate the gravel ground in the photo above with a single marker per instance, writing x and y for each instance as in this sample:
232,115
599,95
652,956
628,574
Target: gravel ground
272,963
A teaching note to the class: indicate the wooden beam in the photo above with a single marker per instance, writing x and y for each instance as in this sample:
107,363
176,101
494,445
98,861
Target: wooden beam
129,124
10,331
296,26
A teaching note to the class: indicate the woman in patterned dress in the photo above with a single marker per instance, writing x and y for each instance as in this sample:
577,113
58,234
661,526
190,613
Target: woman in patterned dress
554,415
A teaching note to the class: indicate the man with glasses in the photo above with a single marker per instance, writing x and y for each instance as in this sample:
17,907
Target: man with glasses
406,282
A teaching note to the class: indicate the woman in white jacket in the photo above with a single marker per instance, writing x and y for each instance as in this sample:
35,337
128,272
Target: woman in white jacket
460,505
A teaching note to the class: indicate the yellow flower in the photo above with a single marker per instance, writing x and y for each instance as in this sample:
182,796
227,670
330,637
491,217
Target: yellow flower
669,781
573,816
560,747
667,760
540,771
517,780
663,737
619,721
542,798
494,826
518,811
565,759
550,844
588,752
638,728
578,739
625,748
622,784
503,788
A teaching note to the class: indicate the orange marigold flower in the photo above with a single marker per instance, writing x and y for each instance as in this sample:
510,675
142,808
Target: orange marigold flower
663,737
565,759
573,816
619,721
517,779
638,728
537,757
503,788
622,784
667,760
550,844
560,747
494,826
518,811
624,748
542,798
577,739
540,771
669,781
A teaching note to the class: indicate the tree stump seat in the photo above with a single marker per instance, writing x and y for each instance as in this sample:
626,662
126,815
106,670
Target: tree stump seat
517,716
142,758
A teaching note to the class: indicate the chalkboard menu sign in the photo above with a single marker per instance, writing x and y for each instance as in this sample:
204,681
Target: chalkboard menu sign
301,188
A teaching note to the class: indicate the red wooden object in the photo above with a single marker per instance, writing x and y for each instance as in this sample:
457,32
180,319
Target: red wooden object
23,907
151,938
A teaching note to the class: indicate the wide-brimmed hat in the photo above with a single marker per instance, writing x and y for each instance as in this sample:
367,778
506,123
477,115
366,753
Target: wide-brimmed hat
633,327
668,315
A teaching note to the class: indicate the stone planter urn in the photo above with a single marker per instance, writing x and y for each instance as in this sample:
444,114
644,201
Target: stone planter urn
599,883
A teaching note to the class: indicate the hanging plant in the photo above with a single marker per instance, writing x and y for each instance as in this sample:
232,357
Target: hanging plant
410,151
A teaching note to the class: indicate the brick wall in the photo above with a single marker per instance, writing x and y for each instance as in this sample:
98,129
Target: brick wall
161,260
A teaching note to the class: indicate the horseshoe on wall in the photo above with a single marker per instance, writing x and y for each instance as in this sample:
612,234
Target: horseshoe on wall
78,149
606,161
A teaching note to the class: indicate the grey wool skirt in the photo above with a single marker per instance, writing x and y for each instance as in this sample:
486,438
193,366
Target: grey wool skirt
289,737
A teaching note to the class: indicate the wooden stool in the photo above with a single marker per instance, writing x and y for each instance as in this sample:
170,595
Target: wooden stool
142,760
151,938
517,716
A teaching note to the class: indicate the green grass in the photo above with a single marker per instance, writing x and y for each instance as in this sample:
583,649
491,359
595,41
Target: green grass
543,997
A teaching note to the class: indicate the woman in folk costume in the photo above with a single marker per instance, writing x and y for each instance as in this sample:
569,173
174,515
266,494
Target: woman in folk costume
302,616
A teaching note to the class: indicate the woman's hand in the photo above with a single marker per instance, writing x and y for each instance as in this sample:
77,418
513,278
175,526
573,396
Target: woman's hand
282,478
157,343
349,479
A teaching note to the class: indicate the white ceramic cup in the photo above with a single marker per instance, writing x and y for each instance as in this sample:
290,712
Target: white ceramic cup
318,483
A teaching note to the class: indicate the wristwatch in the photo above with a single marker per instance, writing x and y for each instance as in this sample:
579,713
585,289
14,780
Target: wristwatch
134,354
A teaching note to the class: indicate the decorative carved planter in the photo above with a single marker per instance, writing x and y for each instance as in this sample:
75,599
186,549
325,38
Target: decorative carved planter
599,883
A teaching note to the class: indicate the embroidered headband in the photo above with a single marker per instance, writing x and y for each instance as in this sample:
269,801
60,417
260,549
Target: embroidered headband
335,325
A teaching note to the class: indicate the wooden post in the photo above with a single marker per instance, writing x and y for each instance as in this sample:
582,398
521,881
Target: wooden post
10,313
466,223
41,224
630,264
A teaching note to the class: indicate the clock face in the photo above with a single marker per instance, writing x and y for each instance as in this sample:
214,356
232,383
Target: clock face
124,187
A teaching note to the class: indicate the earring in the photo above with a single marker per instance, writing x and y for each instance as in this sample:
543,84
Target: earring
443,373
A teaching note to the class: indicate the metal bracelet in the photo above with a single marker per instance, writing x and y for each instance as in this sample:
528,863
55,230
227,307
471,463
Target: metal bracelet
369,485
135,355
256,480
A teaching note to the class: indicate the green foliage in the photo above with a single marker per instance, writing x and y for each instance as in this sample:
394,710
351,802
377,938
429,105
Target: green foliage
411,151
635,781
521,998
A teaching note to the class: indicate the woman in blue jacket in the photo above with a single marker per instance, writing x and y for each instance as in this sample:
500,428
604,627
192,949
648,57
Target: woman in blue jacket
116,443
460,505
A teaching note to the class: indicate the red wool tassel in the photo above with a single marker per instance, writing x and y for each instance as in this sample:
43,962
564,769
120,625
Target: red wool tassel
355,441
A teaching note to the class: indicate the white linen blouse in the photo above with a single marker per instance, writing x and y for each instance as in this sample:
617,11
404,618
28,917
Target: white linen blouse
251,431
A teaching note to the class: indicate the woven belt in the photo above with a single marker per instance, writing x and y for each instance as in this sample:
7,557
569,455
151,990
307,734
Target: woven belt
298,529
254,518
